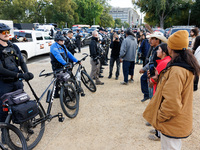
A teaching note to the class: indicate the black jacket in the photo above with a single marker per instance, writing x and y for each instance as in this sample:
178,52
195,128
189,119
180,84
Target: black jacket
70,46
94,52
115,46
10,62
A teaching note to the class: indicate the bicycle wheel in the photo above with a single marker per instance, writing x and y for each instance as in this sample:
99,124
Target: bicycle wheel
32,130
69,100
15,131
88,82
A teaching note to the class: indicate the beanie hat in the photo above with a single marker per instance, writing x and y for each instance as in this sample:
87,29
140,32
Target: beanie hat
179,40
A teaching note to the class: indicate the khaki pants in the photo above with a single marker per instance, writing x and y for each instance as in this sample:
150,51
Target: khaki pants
170,143
95,70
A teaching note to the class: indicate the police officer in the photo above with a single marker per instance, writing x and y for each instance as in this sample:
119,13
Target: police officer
10,61
59,55
78,40
69,43
94,61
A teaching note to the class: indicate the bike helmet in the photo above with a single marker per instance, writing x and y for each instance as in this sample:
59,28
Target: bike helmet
4,27
59,37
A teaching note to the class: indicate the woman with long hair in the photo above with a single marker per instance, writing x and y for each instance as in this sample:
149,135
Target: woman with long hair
170,109
196,50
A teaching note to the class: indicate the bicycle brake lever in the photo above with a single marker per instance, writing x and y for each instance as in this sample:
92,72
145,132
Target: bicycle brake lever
41,73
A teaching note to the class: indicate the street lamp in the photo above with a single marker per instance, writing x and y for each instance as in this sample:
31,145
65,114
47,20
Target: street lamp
189,17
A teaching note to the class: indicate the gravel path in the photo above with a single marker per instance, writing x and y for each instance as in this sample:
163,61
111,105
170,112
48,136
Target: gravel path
110,119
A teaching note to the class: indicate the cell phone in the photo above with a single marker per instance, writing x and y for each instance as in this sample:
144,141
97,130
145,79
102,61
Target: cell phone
151,70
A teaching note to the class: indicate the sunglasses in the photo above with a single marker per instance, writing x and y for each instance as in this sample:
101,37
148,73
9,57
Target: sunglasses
4,32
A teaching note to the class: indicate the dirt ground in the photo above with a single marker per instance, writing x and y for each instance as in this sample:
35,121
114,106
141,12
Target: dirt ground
109,119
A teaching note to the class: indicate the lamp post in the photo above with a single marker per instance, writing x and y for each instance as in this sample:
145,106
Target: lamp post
189,17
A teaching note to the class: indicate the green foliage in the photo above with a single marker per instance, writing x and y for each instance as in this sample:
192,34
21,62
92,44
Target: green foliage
61,12
159,10
88,10
106,20
126,25
57,11
118,23
195,13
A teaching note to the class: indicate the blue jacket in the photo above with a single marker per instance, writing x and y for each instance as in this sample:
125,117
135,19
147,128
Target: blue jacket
144,48
60,54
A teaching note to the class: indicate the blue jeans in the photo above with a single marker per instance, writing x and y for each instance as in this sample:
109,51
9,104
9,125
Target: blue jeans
128,69
144,85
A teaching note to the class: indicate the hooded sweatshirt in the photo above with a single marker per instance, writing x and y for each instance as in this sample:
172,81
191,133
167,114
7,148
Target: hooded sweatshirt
128,48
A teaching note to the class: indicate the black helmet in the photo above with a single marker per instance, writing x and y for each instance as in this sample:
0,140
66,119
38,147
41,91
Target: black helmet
59,37
4,27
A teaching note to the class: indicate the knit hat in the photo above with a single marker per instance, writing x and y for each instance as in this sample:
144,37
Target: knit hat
179,40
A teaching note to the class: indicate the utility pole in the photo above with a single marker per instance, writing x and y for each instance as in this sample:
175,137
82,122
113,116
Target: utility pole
189,17
93,21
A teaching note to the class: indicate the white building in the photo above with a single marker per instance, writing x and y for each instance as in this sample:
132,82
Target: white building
128,15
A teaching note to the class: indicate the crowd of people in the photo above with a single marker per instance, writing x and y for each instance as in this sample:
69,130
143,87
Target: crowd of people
170,72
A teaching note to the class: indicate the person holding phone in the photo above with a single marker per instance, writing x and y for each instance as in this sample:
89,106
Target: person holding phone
115,46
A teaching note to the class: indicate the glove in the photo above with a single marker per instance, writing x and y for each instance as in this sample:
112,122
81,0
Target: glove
25,76
96,62
31,76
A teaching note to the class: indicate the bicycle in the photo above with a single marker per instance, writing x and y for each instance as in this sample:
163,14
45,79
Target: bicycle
15,131
33,129
82,75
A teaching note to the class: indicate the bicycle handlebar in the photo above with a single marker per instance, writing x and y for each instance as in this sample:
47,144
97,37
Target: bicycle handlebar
56,71
83,59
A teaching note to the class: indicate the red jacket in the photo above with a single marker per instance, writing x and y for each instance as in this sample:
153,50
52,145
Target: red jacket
161,65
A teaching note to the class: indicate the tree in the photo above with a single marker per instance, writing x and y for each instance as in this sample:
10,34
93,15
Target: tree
161,9
60,14
12,10
106,20
195,13
118,23
88,11
125,25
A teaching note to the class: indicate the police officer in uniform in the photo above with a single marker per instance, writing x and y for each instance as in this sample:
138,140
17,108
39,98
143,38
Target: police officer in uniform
59,55
69,43
10,61
94,61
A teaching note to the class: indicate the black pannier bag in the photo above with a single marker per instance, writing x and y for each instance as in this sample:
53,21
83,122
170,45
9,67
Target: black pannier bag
16,97
24,111
22,107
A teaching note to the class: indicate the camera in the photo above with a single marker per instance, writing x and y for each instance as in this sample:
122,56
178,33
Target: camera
116,38
151,70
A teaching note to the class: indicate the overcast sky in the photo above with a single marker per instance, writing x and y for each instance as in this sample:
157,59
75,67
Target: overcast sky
123,4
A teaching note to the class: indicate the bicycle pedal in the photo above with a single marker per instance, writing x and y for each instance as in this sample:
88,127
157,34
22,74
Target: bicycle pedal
60,117
30,131
82,94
